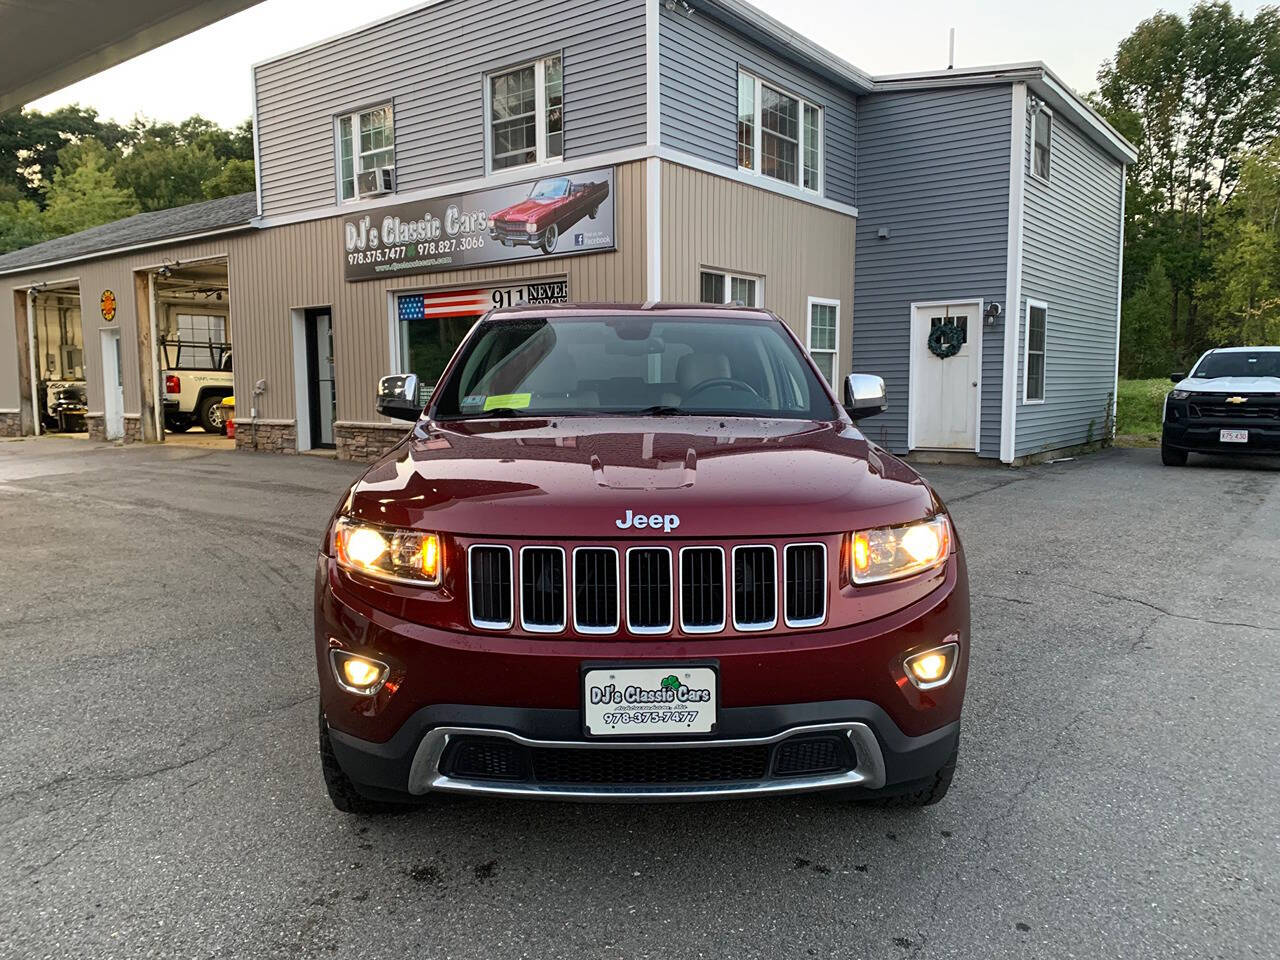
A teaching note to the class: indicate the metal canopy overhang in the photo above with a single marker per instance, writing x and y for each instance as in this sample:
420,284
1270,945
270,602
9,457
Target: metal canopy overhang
47,46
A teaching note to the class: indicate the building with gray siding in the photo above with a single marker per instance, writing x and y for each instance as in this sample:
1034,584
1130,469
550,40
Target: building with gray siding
725,158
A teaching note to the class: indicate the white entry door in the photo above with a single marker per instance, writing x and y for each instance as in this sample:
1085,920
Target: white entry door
944,390
112,384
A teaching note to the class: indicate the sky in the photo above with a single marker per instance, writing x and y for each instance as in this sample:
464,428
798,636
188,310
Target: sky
207,72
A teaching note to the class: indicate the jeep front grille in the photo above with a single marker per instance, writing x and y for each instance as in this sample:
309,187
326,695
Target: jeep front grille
649,590
701,589
542,589
491,586
595,589
755,587
805,566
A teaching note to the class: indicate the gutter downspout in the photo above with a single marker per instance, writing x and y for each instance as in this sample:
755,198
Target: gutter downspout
1013,275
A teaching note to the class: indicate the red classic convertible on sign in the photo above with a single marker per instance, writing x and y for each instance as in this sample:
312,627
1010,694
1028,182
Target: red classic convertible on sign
553,206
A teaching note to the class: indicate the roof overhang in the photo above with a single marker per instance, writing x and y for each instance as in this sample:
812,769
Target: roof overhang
57,44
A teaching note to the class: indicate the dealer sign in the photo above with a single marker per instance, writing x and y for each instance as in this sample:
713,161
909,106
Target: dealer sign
559,215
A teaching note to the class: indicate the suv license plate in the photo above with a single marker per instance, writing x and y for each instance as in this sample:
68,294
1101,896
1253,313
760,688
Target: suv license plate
1233,436
649,701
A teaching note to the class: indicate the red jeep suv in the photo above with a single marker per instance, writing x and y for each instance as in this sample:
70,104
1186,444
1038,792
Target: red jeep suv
638,553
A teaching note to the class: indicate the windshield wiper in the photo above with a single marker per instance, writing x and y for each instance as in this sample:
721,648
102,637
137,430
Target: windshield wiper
499,412
662,410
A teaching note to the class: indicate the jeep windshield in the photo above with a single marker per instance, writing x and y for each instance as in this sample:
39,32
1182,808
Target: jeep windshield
632,365
1238,363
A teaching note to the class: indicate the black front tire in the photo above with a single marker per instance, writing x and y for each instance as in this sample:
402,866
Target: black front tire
178,425
210,417
1172,456
342,792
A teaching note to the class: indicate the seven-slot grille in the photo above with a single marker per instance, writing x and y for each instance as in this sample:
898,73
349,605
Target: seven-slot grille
649,589
1254,408
704,589
542,589
805,566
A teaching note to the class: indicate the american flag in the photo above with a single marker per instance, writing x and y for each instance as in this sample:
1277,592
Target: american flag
451,303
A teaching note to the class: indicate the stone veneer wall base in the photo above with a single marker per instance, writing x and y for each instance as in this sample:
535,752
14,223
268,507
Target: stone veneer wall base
10,424
272,437
367,441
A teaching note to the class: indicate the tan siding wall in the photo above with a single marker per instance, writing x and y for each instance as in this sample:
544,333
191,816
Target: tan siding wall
799,249
273,271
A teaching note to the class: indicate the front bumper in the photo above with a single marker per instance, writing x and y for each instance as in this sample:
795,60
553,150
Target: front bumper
1202,436
515,236
868,752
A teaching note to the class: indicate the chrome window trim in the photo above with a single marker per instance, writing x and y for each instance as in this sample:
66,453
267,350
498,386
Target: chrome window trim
471,594
724,588
826,584
572,580
564,595
671,595
753,627
869,770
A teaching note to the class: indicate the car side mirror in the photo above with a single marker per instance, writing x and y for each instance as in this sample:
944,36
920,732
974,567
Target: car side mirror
1177,377
864,395
398,396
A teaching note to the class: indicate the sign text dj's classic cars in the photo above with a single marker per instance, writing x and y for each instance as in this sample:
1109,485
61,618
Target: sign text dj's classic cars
558,215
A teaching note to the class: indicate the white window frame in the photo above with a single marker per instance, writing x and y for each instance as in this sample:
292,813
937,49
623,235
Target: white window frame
808,335
729,277
354,117
1035,120
539,65
1026,353
758,134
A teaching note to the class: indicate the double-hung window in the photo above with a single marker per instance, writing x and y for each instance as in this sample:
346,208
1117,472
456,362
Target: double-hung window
526,114
779,135
824,335
1041,142
1033,363
366,141
717,287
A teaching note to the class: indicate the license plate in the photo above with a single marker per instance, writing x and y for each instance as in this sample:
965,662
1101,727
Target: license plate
1233,436
649,701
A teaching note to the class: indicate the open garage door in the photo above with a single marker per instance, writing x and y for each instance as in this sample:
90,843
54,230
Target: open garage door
54,379
193,328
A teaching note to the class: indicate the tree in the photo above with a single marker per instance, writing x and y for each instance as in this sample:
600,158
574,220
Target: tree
85,197
21,222
163,175
1146,348
237,176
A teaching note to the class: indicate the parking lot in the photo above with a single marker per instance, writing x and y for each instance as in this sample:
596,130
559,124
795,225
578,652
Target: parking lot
160,793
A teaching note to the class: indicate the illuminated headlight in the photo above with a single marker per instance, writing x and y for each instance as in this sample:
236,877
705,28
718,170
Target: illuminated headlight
355,674
888,553
932,668
405,556
1179,394
531,227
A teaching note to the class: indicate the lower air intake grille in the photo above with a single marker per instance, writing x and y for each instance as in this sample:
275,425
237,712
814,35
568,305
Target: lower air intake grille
595,590
485,758
806,566
649,590
796,758
490,586
701,589
687,765
542,589
755,588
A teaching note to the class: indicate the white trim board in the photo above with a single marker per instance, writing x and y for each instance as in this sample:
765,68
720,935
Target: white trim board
1026,351
808,334
1013,272
1115,387
915,306
117,251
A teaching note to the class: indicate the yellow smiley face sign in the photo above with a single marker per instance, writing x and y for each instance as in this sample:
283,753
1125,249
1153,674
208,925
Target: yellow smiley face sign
107,304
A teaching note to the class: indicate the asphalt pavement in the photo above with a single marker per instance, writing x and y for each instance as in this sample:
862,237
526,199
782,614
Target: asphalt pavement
1118,792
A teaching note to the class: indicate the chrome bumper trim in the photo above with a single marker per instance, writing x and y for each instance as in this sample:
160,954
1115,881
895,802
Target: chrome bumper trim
425,775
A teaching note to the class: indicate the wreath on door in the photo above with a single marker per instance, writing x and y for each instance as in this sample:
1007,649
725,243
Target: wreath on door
945,340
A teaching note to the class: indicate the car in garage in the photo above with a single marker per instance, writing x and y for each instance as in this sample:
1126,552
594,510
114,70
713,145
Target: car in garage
1228,404
638,553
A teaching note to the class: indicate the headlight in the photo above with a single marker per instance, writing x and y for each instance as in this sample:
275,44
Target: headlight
405,556
888,553
530,227
1179,394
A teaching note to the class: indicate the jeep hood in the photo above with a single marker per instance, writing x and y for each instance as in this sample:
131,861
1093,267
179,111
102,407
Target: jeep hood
1230,385
573,478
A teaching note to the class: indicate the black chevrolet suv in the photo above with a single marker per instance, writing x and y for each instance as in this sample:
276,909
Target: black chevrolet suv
1229,403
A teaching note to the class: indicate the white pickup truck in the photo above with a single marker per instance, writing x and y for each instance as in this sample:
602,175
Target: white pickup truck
196,378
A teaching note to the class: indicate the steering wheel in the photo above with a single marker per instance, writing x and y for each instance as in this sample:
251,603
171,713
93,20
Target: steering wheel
722,382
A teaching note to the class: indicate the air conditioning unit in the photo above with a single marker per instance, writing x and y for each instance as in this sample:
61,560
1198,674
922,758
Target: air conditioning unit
377,181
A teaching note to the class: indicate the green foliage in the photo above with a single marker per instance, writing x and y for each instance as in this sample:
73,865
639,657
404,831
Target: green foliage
85,197
1146,347
1200,98
1140,406
235,177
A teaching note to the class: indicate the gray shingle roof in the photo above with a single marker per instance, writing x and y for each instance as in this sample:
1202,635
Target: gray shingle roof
194,218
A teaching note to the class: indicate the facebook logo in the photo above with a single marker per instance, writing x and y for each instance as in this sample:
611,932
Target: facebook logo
579,240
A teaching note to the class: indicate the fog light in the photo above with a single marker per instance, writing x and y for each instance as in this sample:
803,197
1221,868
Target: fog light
932,668
360,675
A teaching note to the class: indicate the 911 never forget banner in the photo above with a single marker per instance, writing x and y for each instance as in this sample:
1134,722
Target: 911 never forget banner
559,215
